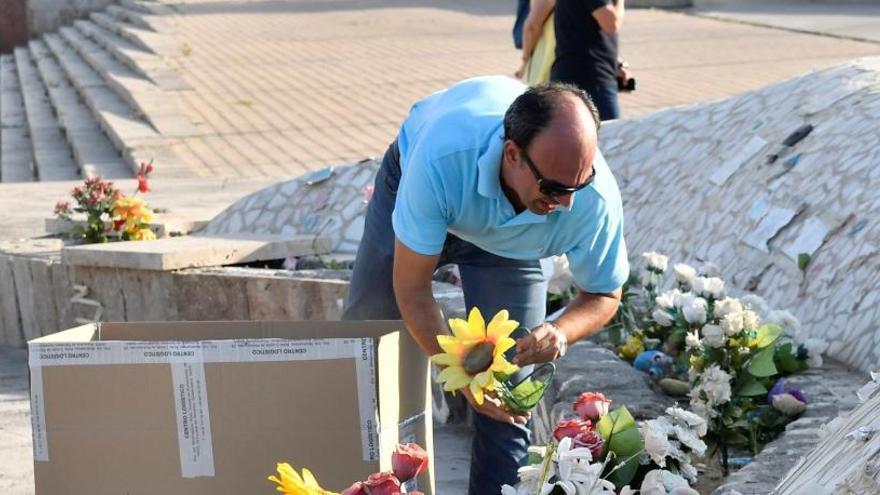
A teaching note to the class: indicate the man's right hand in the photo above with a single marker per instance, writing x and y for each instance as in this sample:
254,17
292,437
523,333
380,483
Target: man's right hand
493,408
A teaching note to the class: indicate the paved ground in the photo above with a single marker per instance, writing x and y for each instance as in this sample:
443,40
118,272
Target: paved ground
296,85
285,86
850,19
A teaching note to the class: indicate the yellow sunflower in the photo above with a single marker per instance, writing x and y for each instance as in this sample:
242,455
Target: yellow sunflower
291,483
474,353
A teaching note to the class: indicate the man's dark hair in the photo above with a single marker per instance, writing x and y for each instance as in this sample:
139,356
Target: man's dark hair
532,111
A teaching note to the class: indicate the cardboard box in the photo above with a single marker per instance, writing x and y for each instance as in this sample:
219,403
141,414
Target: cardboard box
210,407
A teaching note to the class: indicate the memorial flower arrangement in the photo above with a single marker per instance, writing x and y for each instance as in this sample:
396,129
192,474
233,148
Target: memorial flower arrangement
109,214
733,358
408,461
600,451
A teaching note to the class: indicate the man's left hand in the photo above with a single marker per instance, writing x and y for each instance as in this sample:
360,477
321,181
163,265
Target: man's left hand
543,344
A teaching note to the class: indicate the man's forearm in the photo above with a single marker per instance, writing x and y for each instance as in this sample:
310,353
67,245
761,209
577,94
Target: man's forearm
619,6
587,313
422,317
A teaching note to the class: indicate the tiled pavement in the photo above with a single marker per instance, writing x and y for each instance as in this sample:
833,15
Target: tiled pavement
285,86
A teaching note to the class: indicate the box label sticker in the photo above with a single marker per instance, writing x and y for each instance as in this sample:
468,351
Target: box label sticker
38,418
193,420
367,403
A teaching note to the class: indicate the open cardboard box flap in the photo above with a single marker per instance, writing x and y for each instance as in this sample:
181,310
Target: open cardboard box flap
118,428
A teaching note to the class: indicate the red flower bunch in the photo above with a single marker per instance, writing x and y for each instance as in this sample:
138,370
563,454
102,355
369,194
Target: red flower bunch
408,461
591,406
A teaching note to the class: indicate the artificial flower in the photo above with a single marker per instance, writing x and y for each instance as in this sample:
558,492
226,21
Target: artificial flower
685,274
408,461
591,406
567,428
692,341
663,482
815,347
590,440
732,323
291,483
682,299
751,320
786,399
655,262
656,442
715,383
727,306
667,299
662,317
755,303
562,279
791,326
713,336
632,348
684,416
144,234
474,353
695,312
708,287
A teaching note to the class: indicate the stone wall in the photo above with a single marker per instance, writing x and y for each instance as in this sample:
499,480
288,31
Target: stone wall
48,15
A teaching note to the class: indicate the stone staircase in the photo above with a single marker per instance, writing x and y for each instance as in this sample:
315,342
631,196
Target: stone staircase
95,98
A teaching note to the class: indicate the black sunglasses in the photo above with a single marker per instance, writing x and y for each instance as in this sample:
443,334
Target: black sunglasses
551,187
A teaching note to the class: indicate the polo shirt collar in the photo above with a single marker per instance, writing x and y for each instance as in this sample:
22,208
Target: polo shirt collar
489,166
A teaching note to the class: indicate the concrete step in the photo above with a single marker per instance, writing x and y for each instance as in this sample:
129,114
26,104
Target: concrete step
53,159
16,155
160,108
141,61
141,20
133,136
94,153
160,44
146,7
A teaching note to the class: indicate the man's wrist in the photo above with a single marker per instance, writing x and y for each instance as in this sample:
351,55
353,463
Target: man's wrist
561,337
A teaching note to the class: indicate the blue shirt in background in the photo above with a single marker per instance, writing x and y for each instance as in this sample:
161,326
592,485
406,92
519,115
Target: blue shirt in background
450,155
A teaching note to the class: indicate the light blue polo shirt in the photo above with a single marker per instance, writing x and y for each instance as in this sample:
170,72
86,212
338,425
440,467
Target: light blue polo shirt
450,156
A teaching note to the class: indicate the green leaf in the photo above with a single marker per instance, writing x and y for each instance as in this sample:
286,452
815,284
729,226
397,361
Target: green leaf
622,437
751,387
803,260
787,361
767,334
761,364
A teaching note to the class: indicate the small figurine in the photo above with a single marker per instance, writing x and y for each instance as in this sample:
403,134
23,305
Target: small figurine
655,363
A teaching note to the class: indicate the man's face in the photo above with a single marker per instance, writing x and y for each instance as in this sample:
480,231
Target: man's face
557,161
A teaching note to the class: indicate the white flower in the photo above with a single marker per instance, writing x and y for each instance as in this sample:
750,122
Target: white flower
754,302
682,299
568,459
561,280
655,261
709,269
690,439
688,418
688,471
662,317
715,383
708,287
815,347
695,312
732,323
713,336
727,306
751,320
701,408
788,404
692,340
656,444
791,326
814,360
663,482
684,273
667,299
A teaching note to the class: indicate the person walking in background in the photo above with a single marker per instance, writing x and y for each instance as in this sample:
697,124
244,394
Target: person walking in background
539,43
522,11
586,49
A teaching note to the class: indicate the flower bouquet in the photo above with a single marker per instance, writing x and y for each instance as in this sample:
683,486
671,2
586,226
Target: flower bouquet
110,215
604,452
408,461
473,358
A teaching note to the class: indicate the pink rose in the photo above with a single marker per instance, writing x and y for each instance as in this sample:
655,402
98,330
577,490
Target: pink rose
408,461
570,428
384,483
591,405
356,489
591,440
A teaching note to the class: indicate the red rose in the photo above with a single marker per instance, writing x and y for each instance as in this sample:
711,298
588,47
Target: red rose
591,405
408,461
356,489
143,186
591,440
570,428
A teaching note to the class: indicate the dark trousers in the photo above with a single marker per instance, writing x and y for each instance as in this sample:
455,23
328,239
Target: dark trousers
490,282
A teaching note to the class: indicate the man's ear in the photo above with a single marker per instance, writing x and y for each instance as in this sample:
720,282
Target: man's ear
511,152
